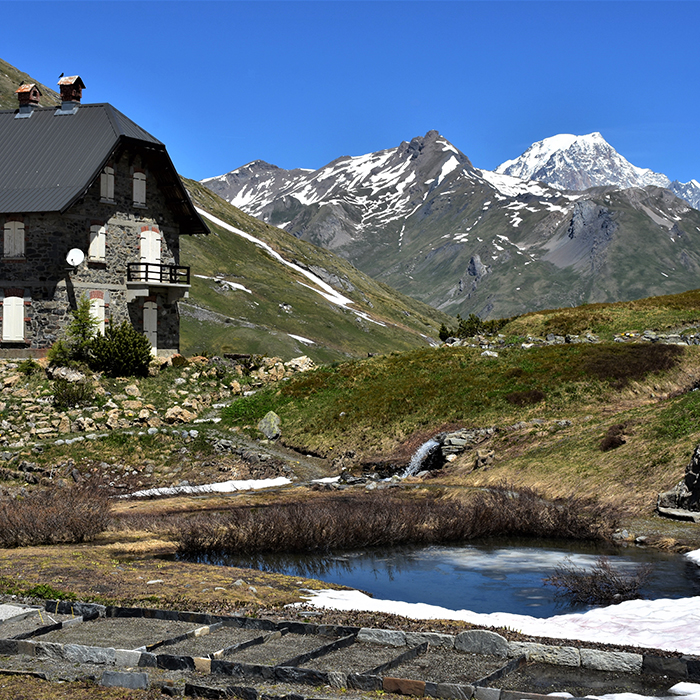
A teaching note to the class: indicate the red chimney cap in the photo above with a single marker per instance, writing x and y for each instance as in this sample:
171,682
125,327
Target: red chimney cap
74,80
28,93
71,88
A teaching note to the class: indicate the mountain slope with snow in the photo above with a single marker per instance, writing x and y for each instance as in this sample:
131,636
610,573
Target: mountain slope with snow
421,218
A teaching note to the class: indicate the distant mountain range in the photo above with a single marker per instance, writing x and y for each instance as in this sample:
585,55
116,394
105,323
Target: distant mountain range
423,219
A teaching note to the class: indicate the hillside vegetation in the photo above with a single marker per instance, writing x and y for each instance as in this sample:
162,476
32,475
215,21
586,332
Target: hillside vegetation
219,317
552,406
11,79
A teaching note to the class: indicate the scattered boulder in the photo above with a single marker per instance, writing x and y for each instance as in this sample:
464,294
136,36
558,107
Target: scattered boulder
683,500
178,414
270,426
300,364
67,374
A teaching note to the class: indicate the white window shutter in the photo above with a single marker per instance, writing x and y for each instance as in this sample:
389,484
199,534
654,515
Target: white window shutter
150,324
150,253
97,311
96,250
13,319
139,188
107,183
13,243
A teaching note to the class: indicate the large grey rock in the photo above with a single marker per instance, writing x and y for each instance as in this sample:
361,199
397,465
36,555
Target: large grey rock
67,374
391,638
433,638
559,656
270,426
482,642
454,691
336,679
620,661
122,679
685,495
127,657
89,655
487,693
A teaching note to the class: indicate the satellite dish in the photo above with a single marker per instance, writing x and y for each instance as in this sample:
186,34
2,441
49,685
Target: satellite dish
75,257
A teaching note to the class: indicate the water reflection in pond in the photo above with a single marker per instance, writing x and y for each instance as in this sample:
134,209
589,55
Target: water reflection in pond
491,576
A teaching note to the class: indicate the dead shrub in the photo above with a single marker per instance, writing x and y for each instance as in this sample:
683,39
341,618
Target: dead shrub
613,438
619,364
603,584
370,520
525,398
53,515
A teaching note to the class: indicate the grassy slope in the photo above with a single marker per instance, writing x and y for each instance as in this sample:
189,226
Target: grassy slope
256,322
384,407
10,80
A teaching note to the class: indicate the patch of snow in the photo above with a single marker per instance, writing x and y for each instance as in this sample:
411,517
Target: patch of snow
226,283
219,487
301,339
661,624
514,186
694,556
447,167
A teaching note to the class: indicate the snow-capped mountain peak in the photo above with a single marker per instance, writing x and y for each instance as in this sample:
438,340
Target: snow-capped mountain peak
579,162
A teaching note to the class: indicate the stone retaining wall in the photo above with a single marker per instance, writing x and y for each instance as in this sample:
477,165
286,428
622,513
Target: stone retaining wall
407,644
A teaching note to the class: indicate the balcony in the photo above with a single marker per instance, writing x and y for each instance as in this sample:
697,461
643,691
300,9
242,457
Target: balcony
144,279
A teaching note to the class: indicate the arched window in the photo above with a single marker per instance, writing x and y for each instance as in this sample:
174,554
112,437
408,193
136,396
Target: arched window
13,318
97,310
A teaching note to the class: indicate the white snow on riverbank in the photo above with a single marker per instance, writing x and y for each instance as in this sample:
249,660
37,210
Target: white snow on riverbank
694,556
219,487
670,624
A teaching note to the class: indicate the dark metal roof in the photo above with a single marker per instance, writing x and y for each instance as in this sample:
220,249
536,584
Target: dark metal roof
49,160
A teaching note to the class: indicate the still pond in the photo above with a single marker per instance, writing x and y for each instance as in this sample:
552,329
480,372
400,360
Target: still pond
496,575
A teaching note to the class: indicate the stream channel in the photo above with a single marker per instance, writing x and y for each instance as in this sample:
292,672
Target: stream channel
495,575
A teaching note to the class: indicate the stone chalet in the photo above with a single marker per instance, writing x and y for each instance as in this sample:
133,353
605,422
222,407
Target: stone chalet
90,205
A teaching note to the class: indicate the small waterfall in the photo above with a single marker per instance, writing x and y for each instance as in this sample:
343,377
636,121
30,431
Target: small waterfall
419,456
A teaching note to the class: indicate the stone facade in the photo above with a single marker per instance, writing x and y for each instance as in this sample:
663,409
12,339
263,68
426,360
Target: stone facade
50,287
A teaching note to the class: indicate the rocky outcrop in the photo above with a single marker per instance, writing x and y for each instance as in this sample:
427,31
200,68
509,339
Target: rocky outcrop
683,500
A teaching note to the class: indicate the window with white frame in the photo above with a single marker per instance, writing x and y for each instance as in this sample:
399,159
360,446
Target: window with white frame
139,189
97,311
13,319
13,239
96,249
107,184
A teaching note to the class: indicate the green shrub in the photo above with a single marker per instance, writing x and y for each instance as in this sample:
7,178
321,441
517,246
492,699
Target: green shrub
69,394
121,352
28,367
250,409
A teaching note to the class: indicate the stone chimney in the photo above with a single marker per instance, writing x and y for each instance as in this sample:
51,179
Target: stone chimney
71,92
28,95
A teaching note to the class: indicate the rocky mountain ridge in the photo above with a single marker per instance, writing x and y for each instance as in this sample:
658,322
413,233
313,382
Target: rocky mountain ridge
423,219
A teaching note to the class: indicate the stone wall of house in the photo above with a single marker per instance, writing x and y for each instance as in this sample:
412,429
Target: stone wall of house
51,287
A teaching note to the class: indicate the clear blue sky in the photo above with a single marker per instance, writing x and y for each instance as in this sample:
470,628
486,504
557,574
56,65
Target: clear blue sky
300,83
